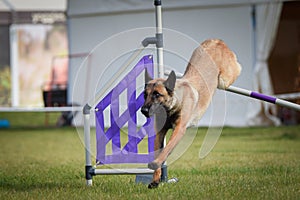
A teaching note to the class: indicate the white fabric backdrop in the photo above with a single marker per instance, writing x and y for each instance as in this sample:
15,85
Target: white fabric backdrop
262,113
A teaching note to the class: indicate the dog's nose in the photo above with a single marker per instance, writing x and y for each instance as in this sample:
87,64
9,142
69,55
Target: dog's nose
145,111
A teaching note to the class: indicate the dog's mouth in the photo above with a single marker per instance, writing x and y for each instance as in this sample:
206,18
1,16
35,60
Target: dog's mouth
160,113
149,111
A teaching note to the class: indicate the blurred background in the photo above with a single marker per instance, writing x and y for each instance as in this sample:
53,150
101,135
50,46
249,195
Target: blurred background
43,46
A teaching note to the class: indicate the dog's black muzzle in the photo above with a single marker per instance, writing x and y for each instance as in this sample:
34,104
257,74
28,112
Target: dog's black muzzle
145,110
150,110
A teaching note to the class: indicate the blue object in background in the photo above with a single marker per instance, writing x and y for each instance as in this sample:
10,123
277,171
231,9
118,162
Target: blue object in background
4,123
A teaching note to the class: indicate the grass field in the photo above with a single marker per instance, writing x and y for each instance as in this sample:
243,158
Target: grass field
256,163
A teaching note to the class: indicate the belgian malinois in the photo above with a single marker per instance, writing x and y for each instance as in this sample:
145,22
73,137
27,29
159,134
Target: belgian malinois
177,104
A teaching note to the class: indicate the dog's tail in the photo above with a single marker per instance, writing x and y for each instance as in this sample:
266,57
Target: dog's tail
224,59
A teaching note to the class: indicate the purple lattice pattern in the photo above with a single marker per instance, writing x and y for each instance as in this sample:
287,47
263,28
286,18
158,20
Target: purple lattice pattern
128,153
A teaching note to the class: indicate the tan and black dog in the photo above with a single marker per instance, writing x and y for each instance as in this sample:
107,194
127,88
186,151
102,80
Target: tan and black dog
177,104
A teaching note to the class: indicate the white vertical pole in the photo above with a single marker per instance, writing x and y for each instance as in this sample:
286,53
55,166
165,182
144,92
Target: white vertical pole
87,144
160,58
87,139
13,34
254,34
160,62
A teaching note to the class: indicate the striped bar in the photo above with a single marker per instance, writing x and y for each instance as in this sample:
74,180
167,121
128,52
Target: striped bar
263,97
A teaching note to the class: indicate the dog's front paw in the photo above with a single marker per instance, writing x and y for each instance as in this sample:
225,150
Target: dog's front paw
153,185
153,165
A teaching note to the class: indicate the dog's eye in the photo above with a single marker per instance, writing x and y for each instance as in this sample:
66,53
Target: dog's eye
156,94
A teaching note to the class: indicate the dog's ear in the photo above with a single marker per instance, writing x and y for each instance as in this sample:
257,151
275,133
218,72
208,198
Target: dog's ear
147,77
170,82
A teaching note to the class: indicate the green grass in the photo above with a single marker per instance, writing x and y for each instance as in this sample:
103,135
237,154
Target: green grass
31,119
246,163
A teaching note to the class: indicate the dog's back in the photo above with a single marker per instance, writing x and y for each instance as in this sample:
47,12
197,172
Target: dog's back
225,60
210,58
212,65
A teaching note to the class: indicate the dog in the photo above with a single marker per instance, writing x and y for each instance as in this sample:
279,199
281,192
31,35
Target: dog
177,104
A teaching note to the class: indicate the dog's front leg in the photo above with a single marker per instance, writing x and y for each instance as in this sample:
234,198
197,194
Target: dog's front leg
158,145
178,132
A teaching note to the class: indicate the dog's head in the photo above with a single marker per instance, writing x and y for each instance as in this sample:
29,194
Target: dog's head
158,94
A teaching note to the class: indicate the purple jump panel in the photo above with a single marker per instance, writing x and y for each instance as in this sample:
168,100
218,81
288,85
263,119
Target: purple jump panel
110,149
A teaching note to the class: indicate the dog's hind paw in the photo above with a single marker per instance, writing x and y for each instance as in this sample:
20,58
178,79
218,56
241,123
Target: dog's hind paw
153,185
153,165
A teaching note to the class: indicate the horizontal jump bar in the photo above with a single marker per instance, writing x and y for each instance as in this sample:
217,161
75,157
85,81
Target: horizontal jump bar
43,109
123,171
263,97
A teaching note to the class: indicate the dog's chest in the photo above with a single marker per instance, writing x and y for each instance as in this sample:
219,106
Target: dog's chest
187,97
